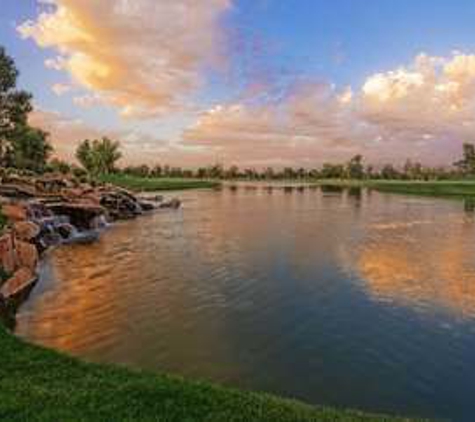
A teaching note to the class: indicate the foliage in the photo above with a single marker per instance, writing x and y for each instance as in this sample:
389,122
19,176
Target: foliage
354,168
30,149
99,156
21,146
59,166
467,164
4,276
3,221
42,385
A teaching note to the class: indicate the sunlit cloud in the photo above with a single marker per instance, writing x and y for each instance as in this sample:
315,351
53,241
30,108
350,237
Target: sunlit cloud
143,57
66,133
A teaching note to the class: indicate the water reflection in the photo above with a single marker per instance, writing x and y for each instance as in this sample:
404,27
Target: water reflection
420,265
335,296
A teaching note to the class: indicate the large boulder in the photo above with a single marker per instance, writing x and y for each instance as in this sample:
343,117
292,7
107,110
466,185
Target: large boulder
27,255
8,258
26,230
80,214
22,280
15,212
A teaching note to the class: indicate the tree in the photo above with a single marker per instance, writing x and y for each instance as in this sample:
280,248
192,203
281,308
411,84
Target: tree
59,166
156,171
106,153
20,145
467,164
232,172
333,171
388,172
100,156
288,173
354,168
269,173
29,149
216,171
85,156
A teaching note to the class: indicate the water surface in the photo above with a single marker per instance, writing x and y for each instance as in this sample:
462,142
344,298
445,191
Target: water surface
345,298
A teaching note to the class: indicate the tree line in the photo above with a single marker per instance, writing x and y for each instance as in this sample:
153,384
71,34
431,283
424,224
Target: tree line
27,148
353,169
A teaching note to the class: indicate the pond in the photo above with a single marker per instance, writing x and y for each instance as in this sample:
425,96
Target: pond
347,298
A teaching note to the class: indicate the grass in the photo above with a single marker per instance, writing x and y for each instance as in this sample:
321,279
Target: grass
42,385
447,189
145,184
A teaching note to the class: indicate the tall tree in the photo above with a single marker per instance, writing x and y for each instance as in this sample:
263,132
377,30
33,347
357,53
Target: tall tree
30,149
100,156
20,145
355,168
467,163
84,155
106,153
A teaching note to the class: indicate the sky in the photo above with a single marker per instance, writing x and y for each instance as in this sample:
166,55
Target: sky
253,83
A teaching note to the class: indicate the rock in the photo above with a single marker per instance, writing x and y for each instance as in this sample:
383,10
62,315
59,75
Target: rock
174,204
147,205
8,259
12,190
80,214
22,280
120,204
26,230
15,212
27,255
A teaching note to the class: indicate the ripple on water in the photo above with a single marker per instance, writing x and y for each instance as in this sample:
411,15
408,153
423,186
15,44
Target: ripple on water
353,300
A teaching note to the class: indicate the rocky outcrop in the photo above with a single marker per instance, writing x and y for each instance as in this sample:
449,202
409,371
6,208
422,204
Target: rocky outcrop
50,210
18,259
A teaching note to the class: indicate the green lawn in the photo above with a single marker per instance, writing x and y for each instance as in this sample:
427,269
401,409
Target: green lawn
42,385
157,184
453,189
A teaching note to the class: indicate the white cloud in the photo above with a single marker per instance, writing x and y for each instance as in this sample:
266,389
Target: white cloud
60,89
423,111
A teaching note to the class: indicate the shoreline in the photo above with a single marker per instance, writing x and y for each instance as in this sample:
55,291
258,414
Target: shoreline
71,389
131,395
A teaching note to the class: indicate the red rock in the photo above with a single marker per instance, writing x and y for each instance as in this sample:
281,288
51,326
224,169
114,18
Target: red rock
26,230
27,255
15,212
8,259
19,281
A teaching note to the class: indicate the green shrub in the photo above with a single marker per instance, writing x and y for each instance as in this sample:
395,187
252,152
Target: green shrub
4,275
3,221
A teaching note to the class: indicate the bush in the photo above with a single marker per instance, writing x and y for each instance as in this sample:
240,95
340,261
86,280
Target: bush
3,221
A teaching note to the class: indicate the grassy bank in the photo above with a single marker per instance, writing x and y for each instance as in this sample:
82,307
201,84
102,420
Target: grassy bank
156,184
448,189
42,385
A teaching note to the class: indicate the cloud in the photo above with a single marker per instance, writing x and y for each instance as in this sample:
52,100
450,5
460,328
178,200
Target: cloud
65,133
423,111
312,124
142,56
139,148
433,96
60,89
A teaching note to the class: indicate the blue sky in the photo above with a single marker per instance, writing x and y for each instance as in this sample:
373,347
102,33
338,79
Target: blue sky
339,42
